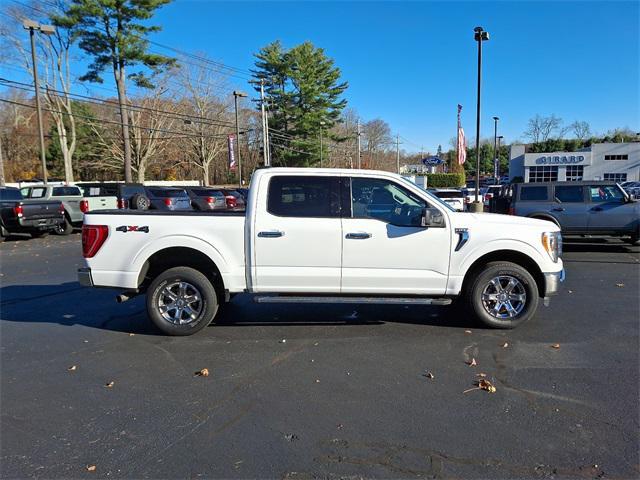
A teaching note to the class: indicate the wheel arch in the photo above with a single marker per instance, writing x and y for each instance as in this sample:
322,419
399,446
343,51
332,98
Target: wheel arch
513,256
545,216
170,257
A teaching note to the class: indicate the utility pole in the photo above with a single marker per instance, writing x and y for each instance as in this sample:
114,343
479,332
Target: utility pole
2,179
322,124
495,147
398,154
265,140
237,94
46,29
358,134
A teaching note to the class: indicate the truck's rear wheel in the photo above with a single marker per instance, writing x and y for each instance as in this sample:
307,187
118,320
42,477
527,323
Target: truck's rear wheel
65,228
181,301
503,295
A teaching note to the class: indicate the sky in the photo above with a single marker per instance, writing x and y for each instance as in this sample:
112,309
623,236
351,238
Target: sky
411,63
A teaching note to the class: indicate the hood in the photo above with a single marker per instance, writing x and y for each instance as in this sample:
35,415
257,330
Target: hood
511,220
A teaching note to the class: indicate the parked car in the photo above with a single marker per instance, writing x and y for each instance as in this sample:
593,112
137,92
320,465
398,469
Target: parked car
454,197
132,196
206,198
244,192
489,192
35,217
235,199
98,196
578,208
168,198
303,240
69,195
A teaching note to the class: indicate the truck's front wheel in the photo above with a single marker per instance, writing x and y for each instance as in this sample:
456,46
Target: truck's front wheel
181,301
503,295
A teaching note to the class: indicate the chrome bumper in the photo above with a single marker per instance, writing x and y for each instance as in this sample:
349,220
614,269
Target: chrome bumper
84,277
552,282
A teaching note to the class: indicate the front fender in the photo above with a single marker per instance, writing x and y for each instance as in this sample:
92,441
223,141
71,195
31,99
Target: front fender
480,250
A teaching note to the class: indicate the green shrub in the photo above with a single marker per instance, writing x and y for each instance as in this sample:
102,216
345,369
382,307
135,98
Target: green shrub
445,180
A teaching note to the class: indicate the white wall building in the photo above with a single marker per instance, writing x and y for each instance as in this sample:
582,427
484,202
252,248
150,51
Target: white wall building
618,162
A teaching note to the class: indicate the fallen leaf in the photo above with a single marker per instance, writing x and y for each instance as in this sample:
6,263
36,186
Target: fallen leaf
202,373
72,368
483,384
131,334
472,363
429,375
317,380
481,375
505,345
110,384
555,345
284,340
291,437
619,284
91,468
340,426
467,331
570,291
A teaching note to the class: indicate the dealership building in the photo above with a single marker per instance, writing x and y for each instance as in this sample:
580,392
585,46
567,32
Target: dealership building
618,162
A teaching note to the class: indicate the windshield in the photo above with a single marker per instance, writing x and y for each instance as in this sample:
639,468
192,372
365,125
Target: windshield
432,198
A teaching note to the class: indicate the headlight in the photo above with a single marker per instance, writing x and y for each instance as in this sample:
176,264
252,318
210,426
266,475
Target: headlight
552,243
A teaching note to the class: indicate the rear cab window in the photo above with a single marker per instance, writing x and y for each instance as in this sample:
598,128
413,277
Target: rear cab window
66,192
534,193
304,196
166,193
203,192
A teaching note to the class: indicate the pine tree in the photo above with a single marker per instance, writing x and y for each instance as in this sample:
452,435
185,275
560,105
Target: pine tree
303,94
112,33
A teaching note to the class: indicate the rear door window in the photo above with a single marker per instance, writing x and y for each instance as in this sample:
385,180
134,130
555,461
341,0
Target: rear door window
304,196
570,194
533,193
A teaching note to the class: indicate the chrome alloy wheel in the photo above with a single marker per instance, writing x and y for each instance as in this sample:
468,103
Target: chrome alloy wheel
180,303
504,297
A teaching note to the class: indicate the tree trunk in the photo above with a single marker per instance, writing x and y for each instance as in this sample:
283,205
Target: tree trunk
122,98
205,171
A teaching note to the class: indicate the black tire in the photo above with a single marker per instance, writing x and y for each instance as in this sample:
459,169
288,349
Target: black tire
634,239
65,228
140,202
39,234
3,233
169,282
482,290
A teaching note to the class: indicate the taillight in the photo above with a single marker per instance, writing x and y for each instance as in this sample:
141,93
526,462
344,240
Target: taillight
211,200
167,202
487,198
84,206
231,201
93,237
512,211
122,204
18,210
61,209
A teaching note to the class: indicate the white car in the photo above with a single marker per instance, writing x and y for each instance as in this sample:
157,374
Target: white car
454,197
324,235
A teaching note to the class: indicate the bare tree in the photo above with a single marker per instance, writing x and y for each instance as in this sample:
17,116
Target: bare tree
153,122
377,138
211,120
541,129
581,130
54,52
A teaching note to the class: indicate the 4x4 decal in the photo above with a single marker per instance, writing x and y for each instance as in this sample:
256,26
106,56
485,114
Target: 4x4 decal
132,228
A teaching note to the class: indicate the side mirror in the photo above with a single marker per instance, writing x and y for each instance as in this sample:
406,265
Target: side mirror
557,200
432,217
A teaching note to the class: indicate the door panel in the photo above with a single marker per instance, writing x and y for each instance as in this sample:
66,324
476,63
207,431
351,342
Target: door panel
384,249
608,211
298,239
572,210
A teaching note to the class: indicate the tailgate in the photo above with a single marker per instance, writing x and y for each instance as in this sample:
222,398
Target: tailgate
36,210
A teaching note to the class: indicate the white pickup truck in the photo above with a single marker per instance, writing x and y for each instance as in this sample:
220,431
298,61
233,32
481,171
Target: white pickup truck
324,235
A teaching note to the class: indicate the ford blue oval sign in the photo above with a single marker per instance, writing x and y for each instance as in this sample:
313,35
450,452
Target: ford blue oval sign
432,161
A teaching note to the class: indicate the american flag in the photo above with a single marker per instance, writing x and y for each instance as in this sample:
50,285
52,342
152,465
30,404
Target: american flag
462,141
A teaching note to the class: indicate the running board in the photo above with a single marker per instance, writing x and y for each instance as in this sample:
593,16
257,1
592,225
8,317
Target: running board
370,300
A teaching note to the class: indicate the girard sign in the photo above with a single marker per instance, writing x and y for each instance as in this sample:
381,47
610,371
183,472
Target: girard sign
559,159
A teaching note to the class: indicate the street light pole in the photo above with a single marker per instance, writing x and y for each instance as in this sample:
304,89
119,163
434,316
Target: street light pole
495,147
359,163
322,124
237,94
500,137
265,135
46,29
480,36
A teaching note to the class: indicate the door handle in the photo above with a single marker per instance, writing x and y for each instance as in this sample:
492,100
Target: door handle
596,209
358,235
271,234
558,209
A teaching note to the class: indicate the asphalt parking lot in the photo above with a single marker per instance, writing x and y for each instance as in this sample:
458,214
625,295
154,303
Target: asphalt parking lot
324,391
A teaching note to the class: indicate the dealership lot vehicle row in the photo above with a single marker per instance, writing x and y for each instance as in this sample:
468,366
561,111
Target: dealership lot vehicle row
336,390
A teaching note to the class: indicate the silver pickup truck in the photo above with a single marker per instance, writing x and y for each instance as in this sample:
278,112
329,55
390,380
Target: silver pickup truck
69,195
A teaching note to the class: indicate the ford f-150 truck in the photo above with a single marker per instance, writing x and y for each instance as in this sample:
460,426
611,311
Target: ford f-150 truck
35,217
324,235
